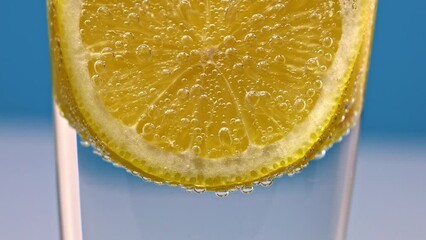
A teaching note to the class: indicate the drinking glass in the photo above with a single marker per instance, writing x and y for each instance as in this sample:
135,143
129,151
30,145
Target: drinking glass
100,201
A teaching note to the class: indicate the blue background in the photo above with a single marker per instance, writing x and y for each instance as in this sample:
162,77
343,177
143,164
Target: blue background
396,93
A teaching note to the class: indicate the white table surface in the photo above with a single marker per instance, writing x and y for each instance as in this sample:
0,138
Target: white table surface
389,200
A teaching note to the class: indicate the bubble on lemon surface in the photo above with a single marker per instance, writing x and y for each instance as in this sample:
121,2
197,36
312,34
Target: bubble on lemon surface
300,104
148,129
252,98
275,41
104,11
327,42
133,17
225,136
312,64
187,40
143,51
99,66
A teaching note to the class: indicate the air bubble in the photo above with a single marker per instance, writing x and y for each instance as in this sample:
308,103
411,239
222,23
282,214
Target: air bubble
222,194
252,98
320,155
119,44
315,16
182,57
196,149
128,36
148,128
312,64
262,66
261,51
184,121
225,136
85,143
247,189
275,41
107,53
250,38
299,104
99,66
266,183
119,57
238,68
279,59
187,40
247,60
144,51
198,139
96,79
318,84
229,40
310,92
194,55
283,106
257,18
157,39
327,42
199,190
196,90
184,5
103,11
133,17
231,52
278,7
183,93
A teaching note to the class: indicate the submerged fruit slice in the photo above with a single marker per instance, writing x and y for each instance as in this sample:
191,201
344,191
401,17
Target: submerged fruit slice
207,94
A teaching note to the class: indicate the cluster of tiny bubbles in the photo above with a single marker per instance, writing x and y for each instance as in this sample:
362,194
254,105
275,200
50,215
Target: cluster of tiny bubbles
297,170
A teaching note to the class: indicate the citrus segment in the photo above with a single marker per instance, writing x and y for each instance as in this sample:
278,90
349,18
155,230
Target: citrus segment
210,94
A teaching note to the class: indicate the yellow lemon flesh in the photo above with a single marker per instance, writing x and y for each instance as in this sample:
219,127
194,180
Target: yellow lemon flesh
212,94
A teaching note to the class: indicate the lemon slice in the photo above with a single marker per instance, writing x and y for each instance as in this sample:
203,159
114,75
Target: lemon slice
205,94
